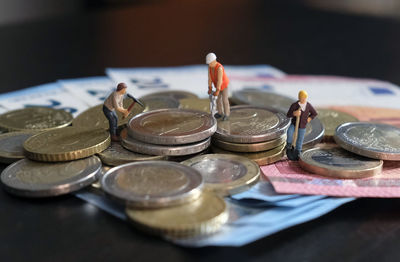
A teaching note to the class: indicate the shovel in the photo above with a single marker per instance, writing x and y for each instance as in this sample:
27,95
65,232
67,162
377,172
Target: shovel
212,104
291,152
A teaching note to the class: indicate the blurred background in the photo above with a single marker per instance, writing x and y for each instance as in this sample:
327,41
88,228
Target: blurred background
17,11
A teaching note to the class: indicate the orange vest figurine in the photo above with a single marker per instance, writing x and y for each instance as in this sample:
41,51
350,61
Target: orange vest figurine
218,78
214,76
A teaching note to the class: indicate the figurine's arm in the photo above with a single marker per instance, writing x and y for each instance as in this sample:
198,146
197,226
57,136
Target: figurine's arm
219,82
291,111
209,83
313,113
119,108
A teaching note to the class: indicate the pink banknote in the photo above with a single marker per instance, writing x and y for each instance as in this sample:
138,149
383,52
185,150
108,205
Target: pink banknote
288,177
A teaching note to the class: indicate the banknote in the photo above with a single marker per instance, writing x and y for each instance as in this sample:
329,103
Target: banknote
246,223
91,90
287,176
333,90
142,81
51,95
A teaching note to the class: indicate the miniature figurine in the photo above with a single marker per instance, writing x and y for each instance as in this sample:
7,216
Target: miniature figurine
304,113
217,76
112,103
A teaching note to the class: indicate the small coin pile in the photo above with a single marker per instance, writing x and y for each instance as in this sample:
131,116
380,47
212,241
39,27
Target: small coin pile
360,152
60,158
254,132
170,132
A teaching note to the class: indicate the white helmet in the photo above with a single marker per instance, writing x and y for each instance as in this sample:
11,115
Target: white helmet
210,57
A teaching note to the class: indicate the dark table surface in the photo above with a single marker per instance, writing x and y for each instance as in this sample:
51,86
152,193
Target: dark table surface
288,35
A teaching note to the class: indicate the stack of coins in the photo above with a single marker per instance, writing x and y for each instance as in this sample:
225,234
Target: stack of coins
361,150
254,132
170,132
165,198
60,158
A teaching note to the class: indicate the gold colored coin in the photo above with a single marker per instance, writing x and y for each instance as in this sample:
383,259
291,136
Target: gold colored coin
195,104
201,217
95,118
35,118
66,144
332,118
252,147
261,158
11,146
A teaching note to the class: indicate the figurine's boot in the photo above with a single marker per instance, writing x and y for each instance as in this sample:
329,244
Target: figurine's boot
217,115
297,153
115,138
225,118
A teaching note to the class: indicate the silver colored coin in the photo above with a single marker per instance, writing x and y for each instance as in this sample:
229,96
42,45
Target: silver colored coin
252,124
116,155
378,141
153,184
261,98
333,161
225,174
154,103
11,146
172,126
314,133
162,150
253,147
175,94
37,179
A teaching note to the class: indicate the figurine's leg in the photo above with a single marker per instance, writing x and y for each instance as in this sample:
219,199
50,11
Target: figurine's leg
289,136
300,139
225,100
113,123
219,104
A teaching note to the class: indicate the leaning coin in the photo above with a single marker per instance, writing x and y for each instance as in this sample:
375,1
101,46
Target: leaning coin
164,150
153,184
253,147
37,179
95,118
204,216
378,141
261,98
195,104
225,174
116,155
175,94
261,158
333,161
331,119
154,103
11,146
251,124
34,118
66,144
172,126
314,133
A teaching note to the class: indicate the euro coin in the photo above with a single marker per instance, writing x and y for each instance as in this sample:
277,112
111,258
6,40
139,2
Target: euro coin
172,126
251,124
94,117
35,118
204,216
11,146
261,98
378,141
37,179
195,104
66,144
333,161
261,158
253,147
175,94
153,184
164,150
331,119
116,155
225,174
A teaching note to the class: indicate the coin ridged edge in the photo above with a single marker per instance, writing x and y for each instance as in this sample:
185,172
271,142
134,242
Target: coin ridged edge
251,147
68,156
